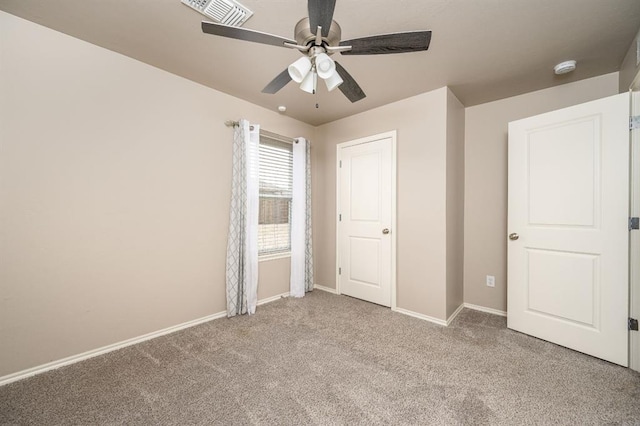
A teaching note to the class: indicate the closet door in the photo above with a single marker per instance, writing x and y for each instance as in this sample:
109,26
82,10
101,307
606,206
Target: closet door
366,215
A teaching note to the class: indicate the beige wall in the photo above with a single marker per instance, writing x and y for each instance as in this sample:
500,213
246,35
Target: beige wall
455,202
630,67
421,124
273,277
114,194
485,211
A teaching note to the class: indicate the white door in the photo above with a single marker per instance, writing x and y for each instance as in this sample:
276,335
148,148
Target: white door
568,225
366,215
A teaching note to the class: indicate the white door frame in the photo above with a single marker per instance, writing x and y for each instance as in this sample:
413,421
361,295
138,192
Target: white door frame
393,135
634,238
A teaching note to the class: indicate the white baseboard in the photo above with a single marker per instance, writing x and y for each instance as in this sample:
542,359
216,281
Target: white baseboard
323,288
455,314
14,377
273,298
404,311
487,310
421,316
105,349
432,319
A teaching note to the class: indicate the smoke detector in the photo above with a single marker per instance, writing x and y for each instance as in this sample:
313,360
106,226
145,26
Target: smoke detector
564,67
227,12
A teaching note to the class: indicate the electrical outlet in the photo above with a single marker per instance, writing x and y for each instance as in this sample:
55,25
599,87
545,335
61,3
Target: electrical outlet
491,281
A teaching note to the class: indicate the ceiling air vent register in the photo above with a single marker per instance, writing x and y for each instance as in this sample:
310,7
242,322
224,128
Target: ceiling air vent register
227,12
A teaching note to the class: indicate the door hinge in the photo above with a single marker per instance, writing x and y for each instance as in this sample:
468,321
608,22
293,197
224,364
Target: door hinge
633,324
634,223
340,273
634,122
340,163
340,218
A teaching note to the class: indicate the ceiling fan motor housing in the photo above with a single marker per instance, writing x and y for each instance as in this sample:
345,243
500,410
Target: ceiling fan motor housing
303,34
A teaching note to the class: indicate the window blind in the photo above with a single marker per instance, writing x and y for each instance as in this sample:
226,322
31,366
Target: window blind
276,186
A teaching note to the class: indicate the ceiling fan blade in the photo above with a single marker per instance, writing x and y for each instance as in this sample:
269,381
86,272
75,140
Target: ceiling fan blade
321,14
244,34
412,41
349,87
277,83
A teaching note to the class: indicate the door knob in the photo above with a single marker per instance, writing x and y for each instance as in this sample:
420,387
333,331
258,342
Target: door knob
385,231
514,236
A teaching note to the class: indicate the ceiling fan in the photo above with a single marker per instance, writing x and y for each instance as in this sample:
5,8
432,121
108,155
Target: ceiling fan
317,37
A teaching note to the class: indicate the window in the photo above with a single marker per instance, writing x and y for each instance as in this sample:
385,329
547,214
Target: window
276,186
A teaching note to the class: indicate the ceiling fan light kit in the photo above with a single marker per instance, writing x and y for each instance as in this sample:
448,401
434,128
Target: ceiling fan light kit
307,70
317,37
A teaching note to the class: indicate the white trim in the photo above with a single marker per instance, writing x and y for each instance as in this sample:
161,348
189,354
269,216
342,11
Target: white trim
394,224
338,162
487,310
421,316
455,314
323,288
393,135
273,298
14,377
634,238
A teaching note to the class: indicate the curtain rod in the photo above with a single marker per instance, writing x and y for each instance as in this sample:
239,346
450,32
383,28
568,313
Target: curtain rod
265,133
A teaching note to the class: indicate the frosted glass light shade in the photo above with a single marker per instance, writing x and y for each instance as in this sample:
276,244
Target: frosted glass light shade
325,66
309,82
333,81
299,69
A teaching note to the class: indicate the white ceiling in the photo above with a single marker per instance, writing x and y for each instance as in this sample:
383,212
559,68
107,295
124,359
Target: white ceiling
482,49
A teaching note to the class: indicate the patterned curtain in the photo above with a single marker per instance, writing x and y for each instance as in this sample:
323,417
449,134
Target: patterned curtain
301,242
242,243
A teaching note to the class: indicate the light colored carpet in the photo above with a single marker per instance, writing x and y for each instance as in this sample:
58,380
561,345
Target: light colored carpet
328,359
